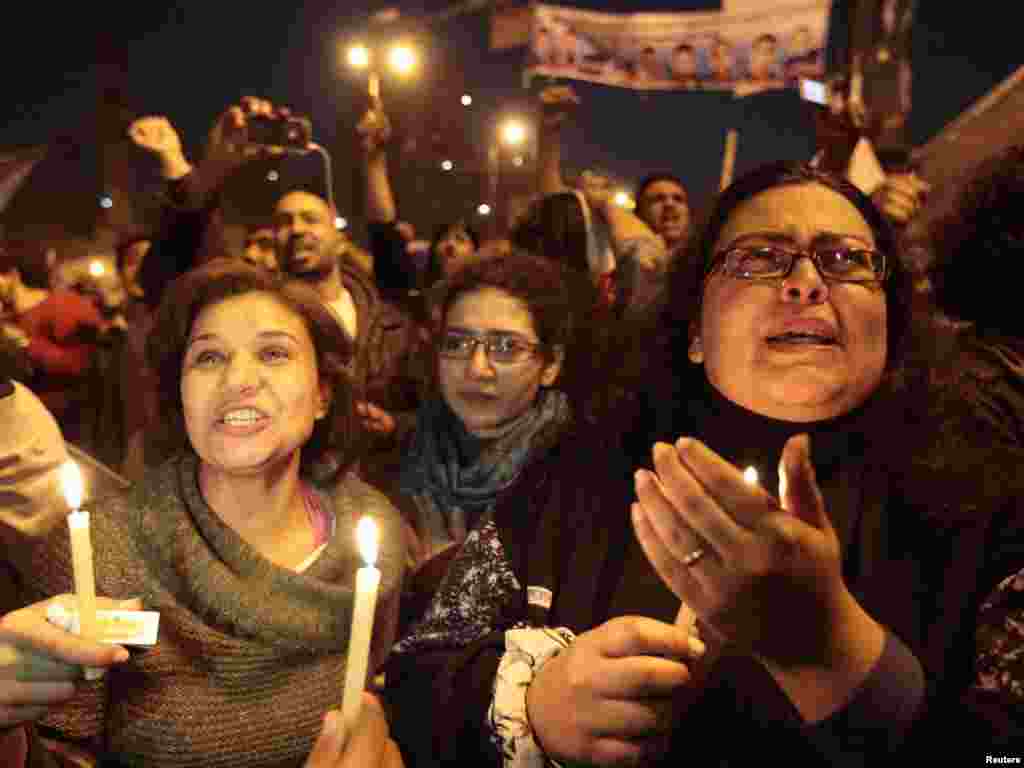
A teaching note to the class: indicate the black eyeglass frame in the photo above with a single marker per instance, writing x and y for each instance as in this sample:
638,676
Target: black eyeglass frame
488,340
794,254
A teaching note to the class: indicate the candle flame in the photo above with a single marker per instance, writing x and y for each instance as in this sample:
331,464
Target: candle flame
71,484
366,537
783,484
750,476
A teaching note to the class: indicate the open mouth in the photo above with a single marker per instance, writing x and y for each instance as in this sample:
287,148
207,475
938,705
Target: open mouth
801,338
242,417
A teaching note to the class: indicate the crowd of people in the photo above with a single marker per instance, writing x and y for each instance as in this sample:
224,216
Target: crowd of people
669,484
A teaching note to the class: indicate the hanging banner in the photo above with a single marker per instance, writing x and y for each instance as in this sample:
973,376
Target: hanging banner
745,51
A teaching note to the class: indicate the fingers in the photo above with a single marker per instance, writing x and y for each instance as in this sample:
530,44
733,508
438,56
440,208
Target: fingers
368,745
690,503
329,744
628,636
30,634
802,496
672,570
18,694
746,504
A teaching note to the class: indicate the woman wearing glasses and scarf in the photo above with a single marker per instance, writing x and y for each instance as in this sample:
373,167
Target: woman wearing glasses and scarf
505,326
830,620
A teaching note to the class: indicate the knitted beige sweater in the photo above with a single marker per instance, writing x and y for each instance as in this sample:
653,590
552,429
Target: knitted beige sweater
250,655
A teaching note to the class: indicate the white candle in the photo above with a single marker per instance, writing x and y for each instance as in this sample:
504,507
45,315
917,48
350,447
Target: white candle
783,483
81,557
367,582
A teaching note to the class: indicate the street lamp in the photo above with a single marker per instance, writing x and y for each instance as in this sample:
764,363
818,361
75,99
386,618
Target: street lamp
401,58
466,100
359,56
513,132
623,200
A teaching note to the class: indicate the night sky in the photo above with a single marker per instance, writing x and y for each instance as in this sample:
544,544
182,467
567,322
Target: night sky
190,59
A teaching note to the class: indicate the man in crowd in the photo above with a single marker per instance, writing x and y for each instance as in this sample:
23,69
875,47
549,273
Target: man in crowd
664,206
61,330
310,246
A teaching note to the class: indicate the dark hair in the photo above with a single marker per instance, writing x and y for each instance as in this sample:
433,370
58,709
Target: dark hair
225,278
689,271
654,178
985,228
434,271
537,282
554,227
565,309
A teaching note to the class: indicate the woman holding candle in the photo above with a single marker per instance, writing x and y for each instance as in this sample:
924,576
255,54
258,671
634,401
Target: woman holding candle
837,621
249,558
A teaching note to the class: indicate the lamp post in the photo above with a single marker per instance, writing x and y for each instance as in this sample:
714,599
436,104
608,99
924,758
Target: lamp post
511,133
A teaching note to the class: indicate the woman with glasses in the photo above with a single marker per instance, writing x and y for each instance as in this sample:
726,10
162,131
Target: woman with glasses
505,324
673,608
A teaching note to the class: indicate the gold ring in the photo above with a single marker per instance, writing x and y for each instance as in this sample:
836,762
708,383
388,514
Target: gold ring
691,558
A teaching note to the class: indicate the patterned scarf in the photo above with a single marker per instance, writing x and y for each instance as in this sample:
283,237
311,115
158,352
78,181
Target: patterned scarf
452,494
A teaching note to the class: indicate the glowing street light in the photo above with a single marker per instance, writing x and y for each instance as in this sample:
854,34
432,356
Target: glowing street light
466,100
447,165
513,132
623,200
359,56
484,209
402,59
340,222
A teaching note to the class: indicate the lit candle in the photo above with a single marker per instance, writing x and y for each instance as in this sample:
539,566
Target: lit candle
81,557
367,582
782,486
750,476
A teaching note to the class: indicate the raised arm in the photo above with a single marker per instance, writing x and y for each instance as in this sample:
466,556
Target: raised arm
374,132
557,104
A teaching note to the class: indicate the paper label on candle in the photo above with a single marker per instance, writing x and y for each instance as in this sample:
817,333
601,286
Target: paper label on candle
113,627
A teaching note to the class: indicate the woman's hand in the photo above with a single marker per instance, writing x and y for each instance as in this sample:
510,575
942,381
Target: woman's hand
610,697
767,578
763,565
370,746
39,662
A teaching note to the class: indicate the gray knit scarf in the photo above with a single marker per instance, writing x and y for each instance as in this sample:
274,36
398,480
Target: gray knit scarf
434,472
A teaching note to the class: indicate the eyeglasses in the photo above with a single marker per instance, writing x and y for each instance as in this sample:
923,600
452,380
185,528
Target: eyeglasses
836,263
502,348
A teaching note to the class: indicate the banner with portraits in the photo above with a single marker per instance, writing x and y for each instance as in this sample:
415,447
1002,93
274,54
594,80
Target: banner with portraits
745,51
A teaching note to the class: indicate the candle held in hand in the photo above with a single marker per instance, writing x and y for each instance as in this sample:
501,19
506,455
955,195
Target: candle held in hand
367,583
750,476
81,556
